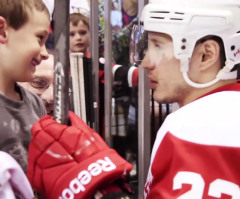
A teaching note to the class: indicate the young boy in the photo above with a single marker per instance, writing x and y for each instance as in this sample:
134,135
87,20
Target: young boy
79,37
124,77
24,27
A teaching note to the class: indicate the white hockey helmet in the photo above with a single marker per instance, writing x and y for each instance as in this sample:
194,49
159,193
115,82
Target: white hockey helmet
187,21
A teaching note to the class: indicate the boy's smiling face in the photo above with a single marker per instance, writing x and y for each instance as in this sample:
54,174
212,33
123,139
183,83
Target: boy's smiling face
25,47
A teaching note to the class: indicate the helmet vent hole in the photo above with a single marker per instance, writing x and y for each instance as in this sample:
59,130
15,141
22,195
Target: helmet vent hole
167,15
163,12
232,48
179,13
176,19
184,40
158,17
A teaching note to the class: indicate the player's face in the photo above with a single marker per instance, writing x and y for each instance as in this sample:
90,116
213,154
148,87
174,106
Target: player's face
25,47
79,37
164,70
42,83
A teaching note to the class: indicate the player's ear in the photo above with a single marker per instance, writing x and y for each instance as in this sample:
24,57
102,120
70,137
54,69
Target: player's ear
3,33
210,54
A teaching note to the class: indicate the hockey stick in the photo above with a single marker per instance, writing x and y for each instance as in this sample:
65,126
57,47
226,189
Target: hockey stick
89,90
78,85
61,60
82,87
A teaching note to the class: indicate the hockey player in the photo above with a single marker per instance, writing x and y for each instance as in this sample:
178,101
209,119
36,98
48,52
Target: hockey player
192,59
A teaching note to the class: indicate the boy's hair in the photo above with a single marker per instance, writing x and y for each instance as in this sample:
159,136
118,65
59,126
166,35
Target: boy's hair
16,12
76,17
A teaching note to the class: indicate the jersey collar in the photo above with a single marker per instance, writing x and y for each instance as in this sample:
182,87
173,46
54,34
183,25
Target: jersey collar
230,87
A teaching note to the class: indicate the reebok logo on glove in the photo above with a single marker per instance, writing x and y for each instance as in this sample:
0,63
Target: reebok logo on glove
85,176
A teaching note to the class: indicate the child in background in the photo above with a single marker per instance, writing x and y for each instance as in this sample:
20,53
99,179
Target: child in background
79,37
24,27
123,76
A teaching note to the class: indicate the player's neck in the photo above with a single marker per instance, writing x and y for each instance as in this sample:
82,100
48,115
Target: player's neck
198,93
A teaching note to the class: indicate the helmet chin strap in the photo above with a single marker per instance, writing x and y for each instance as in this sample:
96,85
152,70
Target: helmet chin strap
224,74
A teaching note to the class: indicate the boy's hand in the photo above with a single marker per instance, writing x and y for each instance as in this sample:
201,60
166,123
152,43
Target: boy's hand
71,161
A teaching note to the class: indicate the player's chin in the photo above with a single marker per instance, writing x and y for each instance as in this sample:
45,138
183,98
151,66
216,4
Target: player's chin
160,97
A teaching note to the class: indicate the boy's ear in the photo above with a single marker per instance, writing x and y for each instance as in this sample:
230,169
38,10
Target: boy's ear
3,34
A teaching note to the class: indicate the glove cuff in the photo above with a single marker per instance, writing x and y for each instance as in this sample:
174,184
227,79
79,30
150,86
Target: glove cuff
82,180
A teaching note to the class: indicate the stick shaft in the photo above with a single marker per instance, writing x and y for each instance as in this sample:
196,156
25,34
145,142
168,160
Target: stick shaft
61,61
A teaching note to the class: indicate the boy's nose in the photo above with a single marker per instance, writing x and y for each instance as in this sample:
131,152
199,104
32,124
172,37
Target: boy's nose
79,37
44,53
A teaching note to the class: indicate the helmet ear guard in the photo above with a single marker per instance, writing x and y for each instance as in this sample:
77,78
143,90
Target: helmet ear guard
187,22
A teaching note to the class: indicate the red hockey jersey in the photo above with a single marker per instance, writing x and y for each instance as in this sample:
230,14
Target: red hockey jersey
196,154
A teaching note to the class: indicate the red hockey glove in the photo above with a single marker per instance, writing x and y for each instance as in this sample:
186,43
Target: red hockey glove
71,161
